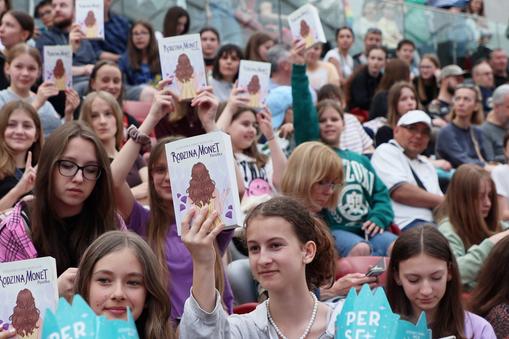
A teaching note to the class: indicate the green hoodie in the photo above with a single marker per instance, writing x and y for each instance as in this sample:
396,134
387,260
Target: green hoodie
364,196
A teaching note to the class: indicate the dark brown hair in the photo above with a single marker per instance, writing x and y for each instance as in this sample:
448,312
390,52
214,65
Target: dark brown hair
154,320
252,151
331,91
225,50
421,83
395,70
427,240
492,288
171,21
393,98
97,215
320,271
201,187
136,56
25,314
24,20
255,41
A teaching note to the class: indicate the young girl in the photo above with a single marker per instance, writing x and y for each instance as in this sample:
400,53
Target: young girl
461,141
73,204
158,224
140,63
20,145
340,56
15,27
107,76
210,42
120,270
101,112
490,299
401,99
426,82
242,124
319,72
225,70
290,254
423,277
257,46
24,66
470,220
364,210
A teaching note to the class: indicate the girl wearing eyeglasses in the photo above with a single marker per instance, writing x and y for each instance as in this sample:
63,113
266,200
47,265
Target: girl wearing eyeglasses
140,62
73,204
364,210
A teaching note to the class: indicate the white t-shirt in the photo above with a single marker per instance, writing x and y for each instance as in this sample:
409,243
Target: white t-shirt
393,167
500,176
324,73
346,63
354,138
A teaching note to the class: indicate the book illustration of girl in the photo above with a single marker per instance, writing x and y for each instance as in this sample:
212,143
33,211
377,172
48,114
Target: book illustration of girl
253,88
184,72
59,75
26,316
202,191
306,34
91,29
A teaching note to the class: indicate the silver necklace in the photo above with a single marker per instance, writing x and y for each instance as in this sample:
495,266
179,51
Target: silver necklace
308,328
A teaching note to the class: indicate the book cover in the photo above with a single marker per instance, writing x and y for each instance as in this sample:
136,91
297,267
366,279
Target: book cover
58,66
202,173
305,24
182,61
254,76
90,15
27,289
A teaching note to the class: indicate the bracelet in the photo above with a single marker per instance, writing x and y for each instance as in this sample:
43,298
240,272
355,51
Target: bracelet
138,136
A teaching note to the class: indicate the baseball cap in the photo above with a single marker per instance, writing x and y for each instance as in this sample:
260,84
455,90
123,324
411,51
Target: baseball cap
451,70
413,117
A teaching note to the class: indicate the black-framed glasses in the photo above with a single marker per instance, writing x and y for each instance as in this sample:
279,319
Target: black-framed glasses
69,168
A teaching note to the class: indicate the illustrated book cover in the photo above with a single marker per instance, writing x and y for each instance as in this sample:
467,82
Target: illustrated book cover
58,66
305,25
90,16
182,61
254,77
202,173
27,289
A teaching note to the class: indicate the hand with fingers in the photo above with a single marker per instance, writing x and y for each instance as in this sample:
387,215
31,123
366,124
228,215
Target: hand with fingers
264,119
46,90
66,283
27,181
298,52
72,101
164,100
75,37
206,103
238,98
10,332
371,229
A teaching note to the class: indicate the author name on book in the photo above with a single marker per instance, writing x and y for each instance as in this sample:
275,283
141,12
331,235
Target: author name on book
200,150
28,276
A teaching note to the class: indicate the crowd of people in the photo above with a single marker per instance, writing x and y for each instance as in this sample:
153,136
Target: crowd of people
352,155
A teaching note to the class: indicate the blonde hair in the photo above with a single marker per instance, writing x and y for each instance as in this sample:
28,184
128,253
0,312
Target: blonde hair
478,114
310,163
86,113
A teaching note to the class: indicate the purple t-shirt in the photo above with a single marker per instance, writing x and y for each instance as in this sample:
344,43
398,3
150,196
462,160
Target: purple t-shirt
477,327
180,263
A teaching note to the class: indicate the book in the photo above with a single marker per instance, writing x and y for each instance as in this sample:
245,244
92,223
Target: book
90,16
202,173
254,76
305,25
58,66
182,61
27,289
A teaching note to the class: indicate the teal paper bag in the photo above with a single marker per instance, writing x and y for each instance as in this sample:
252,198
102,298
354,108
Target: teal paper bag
79,321
368,315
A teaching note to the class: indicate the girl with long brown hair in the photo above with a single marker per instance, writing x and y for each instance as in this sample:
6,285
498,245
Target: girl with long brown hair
158,224
490,299
470,220
119,270
20,145
423,276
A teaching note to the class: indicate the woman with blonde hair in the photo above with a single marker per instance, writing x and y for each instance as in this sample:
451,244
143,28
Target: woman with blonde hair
101,112
470,220
461,141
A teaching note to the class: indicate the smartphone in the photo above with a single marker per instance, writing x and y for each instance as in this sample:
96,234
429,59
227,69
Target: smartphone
377,270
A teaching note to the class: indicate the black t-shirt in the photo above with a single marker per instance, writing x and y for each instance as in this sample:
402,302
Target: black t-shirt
7,184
